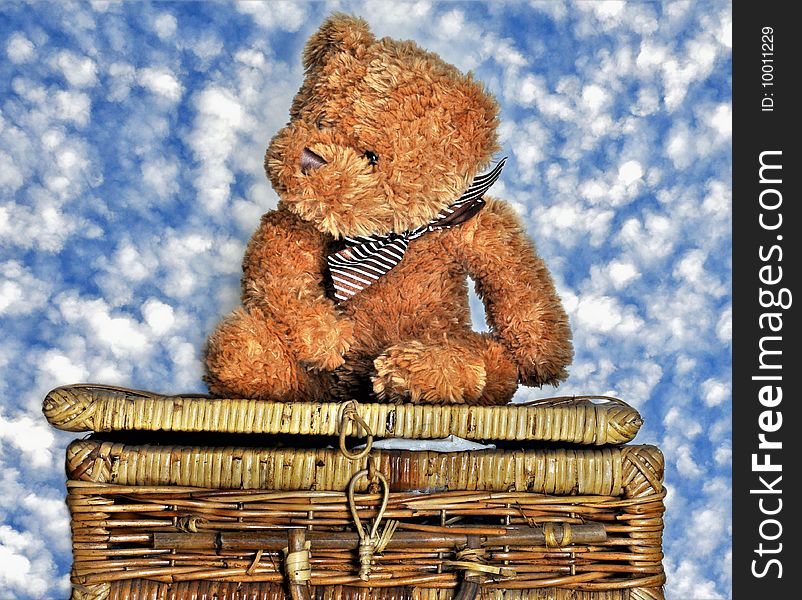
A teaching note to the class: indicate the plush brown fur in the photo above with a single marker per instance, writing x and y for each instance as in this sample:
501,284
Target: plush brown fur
408,336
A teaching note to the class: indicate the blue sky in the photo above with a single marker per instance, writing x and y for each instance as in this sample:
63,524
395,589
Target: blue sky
132,138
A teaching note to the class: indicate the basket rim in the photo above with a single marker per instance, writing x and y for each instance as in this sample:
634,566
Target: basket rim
628,471
590,419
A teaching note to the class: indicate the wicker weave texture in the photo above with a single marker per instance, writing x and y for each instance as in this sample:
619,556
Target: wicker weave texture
152,521
609,471
142,589
584,420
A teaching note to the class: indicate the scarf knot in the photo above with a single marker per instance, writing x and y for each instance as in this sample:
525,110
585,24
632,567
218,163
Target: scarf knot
366,258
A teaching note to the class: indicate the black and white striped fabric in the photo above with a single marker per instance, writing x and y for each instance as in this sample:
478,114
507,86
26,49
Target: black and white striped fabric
366,258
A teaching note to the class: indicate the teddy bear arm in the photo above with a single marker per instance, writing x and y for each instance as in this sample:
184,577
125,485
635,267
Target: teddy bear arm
282,277
521,304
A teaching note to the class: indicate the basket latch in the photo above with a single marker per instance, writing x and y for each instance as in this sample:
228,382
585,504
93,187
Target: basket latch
373,542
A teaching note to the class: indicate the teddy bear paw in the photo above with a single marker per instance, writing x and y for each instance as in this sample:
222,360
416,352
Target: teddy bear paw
435,374
540,373
323,343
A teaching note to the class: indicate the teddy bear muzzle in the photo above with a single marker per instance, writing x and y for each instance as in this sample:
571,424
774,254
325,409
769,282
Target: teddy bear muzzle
311,161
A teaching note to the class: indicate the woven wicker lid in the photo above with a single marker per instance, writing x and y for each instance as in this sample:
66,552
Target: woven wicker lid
593,420
633,471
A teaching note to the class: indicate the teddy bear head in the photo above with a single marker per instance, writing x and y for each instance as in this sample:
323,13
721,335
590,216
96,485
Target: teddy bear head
382,134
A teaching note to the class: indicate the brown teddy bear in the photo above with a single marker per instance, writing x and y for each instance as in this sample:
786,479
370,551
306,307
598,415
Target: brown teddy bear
356,283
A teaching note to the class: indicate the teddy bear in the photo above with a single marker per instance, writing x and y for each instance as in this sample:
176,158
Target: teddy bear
355,286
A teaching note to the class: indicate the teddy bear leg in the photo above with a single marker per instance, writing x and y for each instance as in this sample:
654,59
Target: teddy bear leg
472,369
247,357
502,373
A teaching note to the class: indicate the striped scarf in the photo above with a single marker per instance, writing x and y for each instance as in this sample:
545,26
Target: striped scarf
366,258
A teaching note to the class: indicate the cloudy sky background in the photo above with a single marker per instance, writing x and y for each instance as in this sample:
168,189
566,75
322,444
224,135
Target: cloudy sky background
131,146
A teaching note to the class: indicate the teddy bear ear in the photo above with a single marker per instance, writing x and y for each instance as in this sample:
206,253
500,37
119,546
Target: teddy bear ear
338,33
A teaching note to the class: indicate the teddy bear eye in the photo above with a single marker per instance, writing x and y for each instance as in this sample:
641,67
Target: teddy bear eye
372,157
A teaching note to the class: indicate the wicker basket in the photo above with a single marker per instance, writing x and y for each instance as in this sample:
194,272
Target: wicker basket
160,511
151,521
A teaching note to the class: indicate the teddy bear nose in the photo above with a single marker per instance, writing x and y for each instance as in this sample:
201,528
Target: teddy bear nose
311,161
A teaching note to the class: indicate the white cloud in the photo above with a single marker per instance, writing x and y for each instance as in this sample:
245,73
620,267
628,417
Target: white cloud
61,368
26,566
165,25
679,419
73,107
689,579
451,24
220,105
594,191
206,46
11,177
606,16
246,214
615,189
691,269
621,273
219,121
162,82
557,9
159,316
678,74
650,238
15,572
187,363
122,78
101,6
528,142
713,521
720,430
11,297
502,51
721,120
117,333
572,224
398,19
604,314
680,146
132,263
686,464
724,325
20,49
637,389
79,71
630,172
607,10
651,55
251,57
279,14
647,102
161,175
724,33
685,364
715,391
33,438
718,200
723,456
595,98
21,293
43,226
50,514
